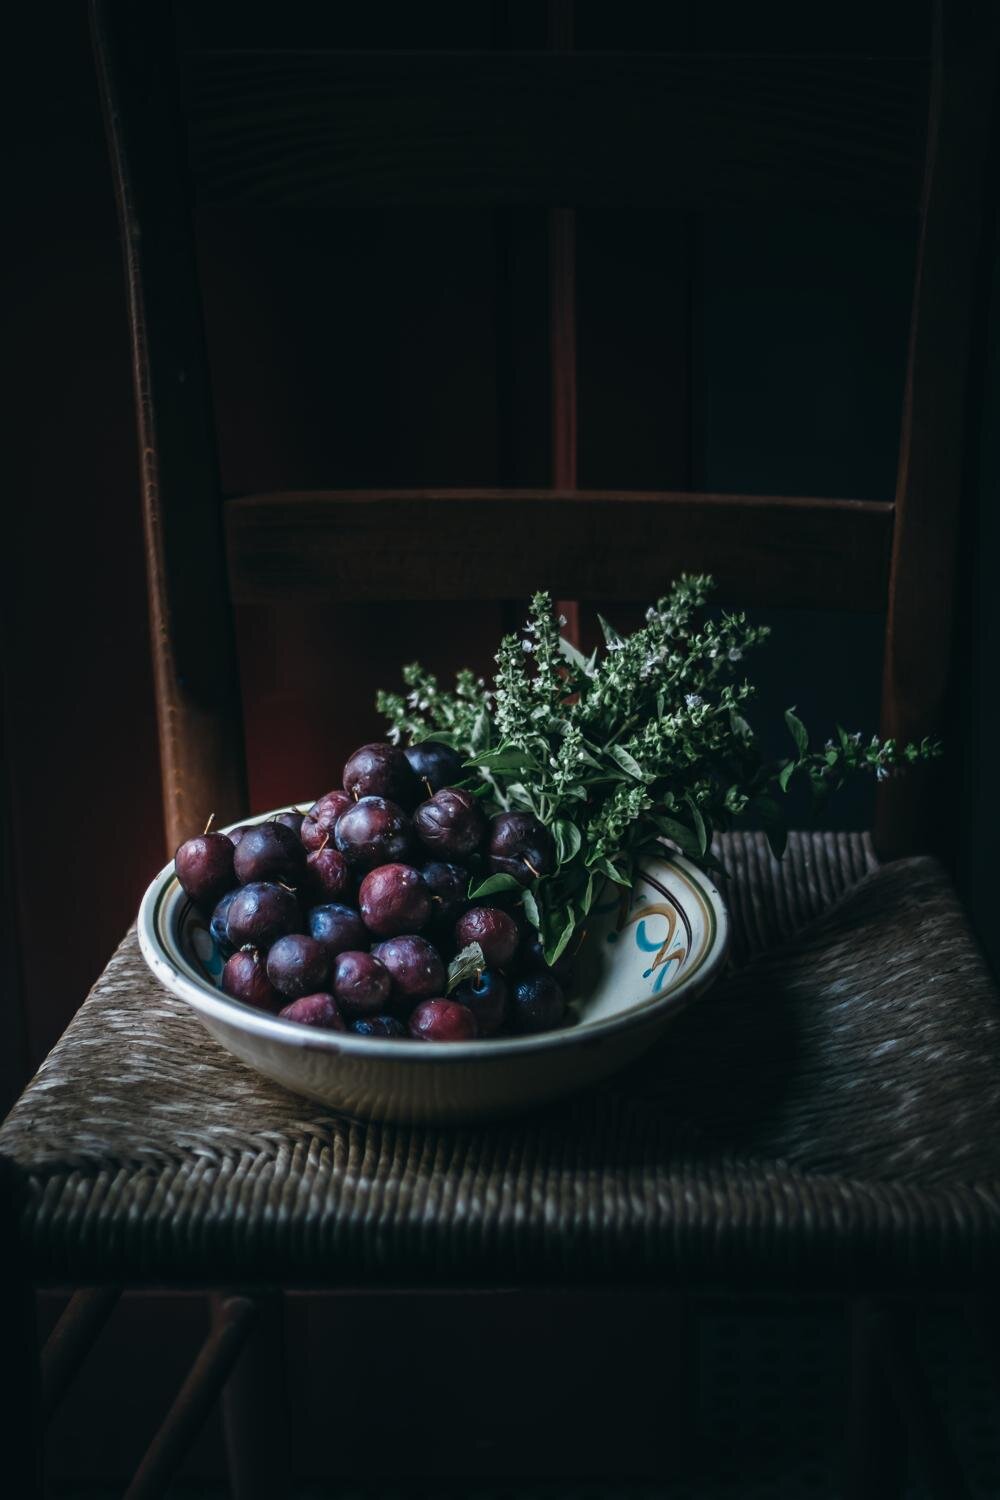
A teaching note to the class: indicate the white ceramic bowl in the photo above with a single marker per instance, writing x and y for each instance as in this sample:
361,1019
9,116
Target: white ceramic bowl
647,953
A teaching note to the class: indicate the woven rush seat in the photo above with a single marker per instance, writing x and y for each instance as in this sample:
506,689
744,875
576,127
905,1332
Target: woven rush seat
828,1116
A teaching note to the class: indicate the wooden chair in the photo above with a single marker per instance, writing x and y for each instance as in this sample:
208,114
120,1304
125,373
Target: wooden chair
866,1163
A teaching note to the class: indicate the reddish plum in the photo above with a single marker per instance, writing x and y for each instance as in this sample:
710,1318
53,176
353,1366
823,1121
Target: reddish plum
416,967
328,875
394,899
361,984
443,1021
204,867
321,819
244,977
494,930
315,1010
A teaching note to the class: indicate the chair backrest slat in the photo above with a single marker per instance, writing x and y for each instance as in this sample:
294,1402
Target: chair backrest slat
196,675
934,441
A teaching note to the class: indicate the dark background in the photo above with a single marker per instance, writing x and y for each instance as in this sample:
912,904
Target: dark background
405,347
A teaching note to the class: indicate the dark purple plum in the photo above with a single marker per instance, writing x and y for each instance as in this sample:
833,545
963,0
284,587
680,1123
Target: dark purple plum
220,917
443,1021
394,899
379,1026
486,997
270,851
338,928
494,930
321,819
451,824
374,832
436,765
449,886
204,867
315,1010
521,846
328,875
297,965
292,819
537,1003
361,984
382,770
530,958
244,977
416,968
235,834
261,913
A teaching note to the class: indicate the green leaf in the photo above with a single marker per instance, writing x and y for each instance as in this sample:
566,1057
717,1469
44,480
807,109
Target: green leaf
573,656
786,773
627,762
585,899
685,839
555,947
797,730
611,636
700,832
492,884
531,909
465,965
505,758
612,872
568,840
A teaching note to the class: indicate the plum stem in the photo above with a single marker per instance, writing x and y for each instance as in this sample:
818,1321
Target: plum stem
211,820
537,873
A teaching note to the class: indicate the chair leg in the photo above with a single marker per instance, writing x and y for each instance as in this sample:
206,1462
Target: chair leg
255,1408
876,1453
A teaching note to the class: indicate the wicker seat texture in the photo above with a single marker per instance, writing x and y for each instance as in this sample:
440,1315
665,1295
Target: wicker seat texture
827,1117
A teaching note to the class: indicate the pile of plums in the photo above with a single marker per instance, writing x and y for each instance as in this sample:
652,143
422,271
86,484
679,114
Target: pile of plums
346,917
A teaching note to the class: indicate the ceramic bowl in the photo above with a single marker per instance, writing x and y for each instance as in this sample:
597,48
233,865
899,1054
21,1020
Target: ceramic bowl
647,953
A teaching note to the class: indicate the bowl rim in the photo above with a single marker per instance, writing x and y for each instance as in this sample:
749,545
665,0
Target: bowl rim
215,1005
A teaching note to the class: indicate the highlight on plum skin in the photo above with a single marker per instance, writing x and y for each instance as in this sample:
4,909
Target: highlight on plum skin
338,928
415,967
386,1028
